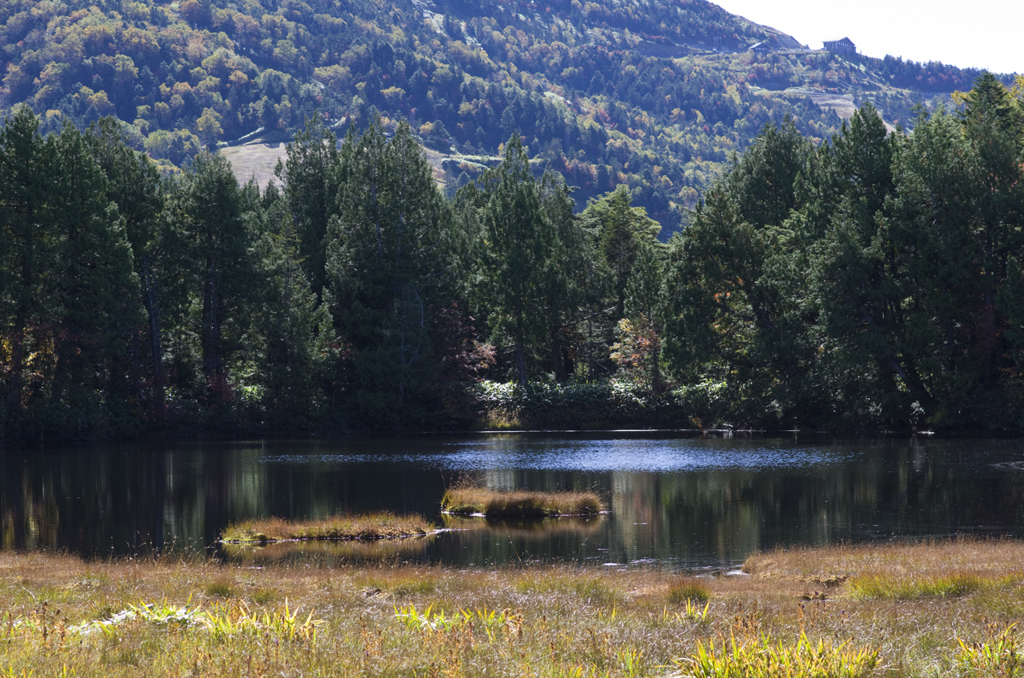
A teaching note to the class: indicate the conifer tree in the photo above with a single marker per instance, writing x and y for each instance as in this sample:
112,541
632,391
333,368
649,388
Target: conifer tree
392,259
844,194
644,306
568,275
133,184
290,344
734,281
216,268
97,287
518,241
311,175
29,245
622,230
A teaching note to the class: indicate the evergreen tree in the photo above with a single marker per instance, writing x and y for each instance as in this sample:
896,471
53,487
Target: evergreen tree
392,260
644,308
568,275
216,269
290,345
29,248
994,128
311,177
735,283
97,288
622,230
133,184
956,219
518,241
844,194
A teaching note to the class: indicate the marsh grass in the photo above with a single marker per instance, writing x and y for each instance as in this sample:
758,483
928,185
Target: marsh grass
909,587
1000,655
519,504
762,658
689,590
372,526
396,619
221,588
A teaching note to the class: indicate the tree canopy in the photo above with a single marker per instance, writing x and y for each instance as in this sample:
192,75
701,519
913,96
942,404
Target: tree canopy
874,280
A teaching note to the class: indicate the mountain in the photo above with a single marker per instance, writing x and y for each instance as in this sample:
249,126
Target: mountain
654,95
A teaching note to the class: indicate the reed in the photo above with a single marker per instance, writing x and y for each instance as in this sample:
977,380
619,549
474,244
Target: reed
365,527
520,504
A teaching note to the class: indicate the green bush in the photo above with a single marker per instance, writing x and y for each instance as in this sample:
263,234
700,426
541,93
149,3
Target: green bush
606,403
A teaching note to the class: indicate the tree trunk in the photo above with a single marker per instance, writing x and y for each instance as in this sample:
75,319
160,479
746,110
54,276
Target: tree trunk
655,357
17,361
153,311
521,364
989,335
211,323
557,360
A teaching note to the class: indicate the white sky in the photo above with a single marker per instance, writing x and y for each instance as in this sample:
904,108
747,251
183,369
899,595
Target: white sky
968,33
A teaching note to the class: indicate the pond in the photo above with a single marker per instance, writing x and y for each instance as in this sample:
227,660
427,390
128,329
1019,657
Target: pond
682,502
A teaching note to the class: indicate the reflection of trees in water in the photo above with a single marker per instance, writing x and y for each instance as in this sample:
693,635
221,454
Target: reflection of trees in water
564,525
33,520
326,553
131,497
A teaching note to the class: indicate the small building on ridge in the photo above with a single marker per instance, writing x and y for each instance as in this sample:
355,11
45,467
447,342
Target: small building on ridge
844,46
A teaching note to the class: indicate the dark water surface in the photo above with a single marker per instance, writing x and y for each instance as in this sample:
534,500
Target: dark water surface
681,501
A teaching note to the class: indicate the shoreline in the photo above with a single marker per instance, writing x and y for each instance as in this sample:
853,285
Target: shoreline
754,433
910,605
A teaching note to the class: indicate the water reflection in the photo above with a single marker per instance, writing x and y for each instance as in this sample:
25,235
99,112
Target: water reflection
683,501
326,553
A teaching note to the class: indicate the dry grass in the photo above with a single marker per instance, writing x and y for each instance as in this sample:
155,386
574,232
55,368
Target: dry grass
795,615
519,504
255,161
371,526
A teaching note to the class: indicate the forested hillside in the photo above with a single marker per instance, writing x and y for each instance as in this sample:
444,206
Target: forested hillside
654,96
872,281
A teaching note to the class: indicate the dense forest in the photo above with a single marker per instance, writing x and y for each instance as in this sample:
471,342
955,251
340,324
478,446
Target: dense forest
875,280
649,95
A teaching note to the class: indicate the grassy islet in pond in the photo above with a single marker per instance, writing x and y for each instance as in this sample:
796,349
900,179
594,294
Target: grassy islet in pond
383,525
520,504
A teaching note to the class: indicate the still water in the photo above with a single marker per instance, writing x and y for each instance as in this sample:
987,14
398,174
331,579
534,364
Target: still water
683,502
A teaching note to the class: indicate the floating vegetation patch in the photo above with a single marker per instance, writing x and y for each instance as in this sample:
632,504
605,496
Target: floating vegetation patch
520,504
367,527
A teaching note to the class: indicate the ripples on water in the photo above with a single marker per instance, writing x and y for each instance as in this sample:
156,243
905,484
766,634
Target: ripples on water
639,456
